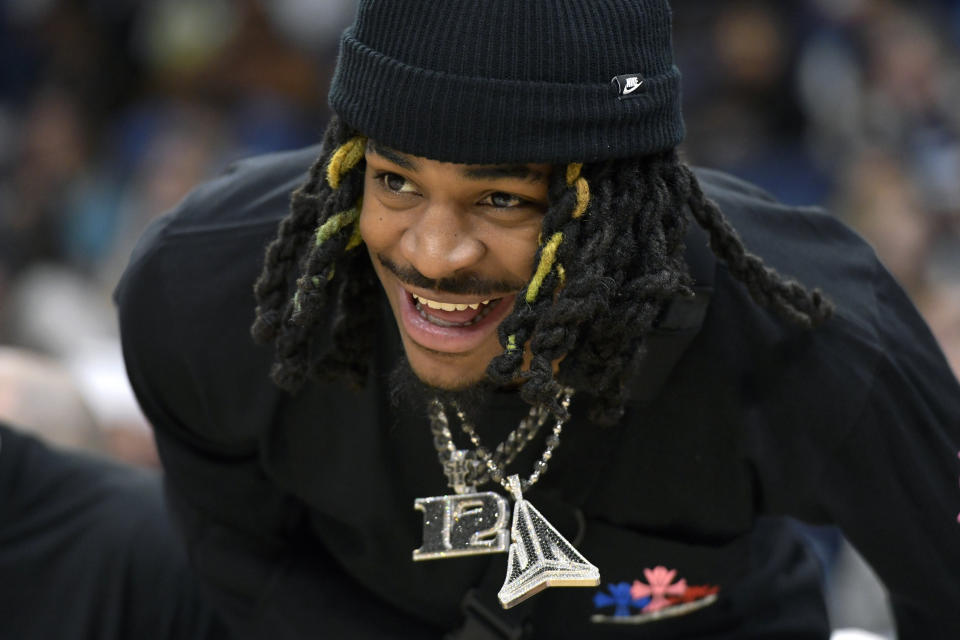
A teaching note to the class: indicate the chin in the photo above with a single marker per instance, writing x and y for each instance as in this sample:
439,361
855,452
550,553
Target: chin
448,371
444,379
415,387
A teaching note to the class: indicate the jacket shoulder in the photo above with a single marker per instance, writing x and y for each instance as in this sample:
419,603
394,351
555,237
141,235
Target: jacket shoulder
249,192
186,304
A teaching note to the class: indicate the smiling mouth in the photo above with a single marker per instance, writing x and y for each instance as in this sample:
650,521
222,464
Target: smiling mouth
453,314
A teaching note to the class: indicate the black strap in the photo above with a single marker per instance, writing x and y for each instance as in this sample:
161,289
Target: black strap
484,617
486,620
680,321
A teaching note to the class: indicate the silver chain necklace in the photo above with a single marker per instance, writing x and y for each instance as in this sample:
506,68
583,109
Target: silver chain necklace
466,470
472,523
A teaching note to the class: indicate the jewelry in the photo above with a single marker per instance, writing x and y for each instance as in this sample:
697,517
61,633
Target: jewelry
470,523
472,467
539,556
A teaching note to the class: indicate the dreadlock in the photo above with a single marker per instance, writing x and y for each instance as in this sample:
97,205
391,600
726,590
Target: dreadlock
619,227
319,231
610,258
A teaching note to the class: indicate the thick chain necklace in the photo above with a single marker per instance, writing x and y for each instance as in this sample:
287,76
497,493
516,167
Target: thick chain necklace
466,470
470,523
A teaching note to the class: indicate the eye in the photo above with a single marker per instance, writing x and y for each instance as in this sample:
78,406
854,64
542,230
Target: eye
502,200
395,183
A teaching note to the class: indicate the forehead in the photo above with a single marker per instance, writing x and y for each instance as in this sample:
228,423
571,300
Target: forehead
517,171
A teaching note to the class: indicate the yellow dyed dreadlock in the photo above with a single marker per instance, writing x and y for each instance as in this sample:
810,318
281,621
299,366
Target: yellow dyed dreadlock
355,238
574,179
547,257
548,254
344,159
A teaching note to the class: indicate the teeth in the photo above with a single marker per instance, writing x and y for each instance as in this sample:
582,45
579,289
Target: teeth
443,323
448,306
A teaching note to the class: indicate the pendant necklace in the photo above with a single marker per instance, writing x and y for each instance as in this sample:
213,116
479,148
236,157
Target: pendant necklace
471,522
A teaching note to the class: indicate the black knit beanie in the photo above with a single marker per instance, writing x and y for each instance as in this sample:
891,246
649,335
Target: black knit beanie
495,81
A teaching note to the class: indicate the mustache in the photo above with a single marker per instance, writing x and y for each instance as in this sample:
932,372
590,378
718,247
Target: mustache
468,284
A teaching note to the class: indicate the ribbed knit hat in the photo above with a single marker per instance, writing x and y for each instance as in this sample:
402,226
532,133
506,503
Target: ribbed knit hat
494,81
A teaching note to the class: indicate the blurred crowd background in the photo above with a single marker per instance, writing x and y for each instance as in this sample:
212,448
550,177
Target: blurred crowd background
111,110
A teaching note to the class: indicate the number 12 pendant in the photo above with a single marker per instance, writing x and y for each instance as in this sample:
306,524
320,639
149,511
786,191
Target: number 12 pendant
476,523
463,525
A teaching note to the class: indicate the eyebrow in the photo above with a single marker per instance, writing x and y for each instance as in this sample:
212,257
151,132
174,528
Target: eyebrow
491,172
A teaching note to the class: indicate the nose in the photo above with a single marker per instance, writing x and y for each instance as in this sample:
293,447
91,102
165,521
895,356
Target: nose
441,242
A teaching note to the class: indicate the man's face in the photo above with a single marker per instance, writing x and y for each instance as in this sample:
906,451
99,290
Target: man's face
452,245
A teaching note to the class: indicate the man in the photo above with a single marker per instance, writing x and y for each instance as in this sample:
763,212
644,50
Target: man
493,245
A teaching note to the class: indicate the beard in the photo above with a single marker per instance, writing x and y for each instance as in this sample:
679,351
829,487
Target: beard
408,390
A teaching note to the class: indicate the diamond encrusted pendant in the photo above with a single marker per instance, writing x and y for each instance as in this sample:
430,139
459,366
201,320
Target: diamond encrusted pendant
539,557
465,524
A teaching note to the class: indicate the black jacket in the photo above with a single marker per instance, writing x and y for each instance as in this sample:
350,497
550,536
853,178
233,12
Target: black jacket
298,510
